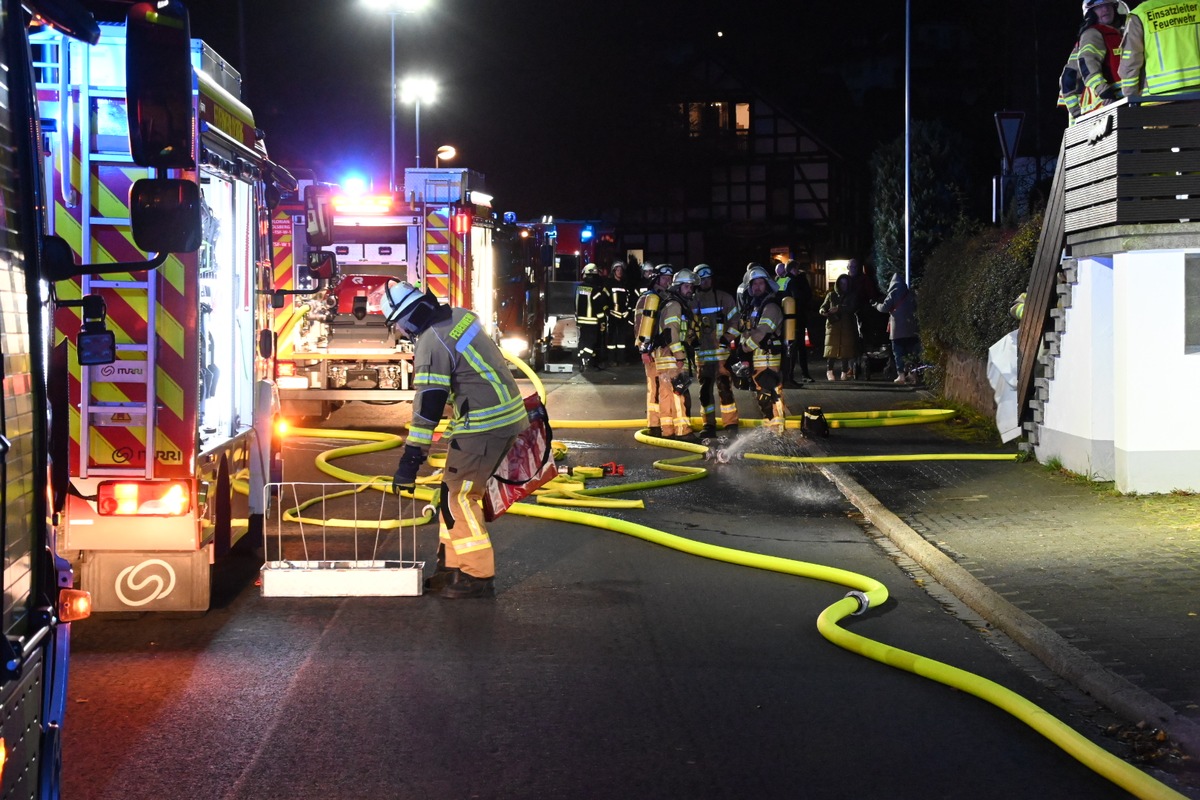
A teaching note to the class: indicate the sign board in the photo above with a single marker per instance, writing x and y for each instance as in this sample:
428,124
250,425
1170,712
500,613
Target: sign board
1008,125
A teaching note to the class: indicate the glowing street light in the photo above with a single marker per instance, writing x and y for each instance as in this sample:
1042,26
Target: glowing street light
446,152
394,8
417,90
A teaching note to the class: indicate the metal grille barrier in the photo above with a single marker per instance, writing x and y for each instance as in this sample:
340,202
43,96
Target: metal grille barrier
340,540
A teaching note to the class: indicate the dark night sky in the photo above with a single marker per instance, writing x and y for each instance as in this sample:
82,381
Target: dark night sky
546,98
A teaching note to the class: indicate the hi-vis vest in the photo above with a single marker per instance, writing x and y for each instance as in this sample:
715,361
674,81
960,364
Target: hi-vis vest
1171,30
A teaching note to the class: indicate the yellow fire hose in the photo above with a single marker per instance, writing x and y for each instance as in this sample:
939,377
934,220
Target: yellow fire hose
865,591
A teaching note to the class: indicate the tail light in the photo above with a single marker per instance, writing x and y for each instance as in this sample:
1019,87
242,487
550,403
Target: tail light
74,604
281,428
143,499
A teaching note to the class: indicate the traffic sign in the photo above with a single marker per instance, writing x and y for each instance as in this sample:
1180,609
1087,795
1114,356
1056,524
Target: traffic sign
1008,125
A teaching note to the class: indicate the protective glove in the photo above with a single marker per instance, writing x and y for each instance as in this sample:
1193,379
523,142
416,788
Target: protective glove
681,382
406,472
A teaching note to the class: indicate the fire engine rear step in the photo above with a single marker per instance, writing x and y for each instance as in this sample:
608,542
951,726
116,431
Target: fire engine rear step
338,540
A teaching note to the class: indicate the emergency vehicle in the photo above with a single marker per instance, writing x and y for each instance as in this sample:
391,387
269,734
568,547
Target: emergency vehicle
441,234
39,601
566,247
171,444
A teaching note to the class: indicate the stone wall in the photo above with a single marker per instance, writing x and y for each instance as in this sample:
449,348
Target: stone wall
965,381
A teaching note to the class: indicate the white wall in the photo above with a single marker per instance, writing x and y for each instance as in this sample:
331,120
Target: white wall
1157,384
1078,418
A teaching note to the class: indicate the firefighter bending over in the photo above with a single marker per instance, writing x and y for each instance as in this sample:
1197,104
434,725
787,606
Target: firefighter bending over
456,362
762,344
716,314
674,344
645,315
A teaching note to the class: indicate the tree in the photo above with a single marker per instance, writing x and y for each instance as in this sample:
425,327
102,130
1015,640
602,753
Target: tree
939,178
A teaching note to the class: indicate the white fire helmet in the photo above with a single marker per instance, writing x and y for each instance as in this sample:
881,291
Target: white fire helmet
703,271
400,303
682,277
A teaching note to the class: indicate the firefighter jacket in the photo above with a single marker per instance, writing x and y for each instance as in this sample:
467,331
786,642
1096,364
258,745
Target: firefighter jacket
1092,75
1161,51
456,361
674,340
593,300
762,330
619,309
715,315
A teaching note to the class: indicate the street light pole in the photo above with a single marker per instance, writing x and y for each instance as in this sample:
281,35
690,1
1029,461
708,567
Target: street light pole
417,106
394,8
416,91
392,174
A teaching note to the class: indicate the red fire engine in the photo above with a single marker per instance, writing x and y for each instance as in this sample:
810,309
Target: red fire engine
442,235
170,445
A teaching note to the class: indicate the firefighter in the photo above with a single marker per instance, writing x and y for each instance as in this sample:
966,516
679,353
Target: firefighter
593,300
795,284
762,344
645,315
1160,53
1091,76
716,314
620,316
674,356
456,362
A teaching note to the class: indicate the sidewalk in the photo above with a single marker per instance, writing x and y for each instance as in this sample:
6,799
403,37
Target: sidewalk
1105,590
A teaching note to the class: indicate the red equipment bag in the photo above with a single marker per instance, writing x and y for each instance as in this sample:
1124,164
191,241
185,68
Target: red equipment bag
527,465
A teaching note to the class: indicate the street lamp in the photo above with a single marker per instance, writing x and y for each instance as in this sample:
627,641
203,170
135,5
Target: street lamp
416,91
394,8
447,152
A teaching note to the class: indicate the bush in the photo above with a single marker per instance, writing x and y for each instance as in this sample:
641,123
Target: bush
970,282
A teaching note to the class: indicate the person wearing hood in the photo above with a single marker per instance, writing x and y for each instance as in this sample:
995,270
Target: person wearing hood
841,328
900,304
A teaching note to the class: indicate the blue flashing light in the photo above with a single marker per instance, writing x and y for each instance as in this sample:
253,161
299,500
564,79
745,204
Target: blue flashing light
354,185
586,234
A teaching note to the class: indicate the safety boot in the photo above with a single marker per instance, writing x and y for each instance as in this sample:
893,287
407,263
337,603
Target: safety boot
708,432
464,587
441,575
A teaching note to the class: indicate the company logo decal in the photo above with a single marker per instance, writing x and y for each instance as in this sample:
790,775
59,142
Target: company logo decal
143,583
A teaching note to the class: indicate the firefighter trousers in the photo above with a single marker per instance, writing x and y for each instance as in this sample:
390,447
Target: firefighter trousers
654,397
768,391
714,375
674,409
470,461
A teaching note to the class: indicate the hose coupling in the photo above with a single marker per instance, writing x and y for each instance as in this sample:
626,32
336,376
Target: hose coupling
864,602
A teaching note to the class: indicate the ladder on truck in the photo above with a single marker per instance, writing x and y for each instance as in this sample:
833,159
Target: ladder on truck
63,59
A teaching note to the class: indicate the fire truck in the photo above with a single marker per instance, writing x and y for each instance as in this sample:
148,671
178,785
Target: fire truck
564,248
170,445
40,602
441,234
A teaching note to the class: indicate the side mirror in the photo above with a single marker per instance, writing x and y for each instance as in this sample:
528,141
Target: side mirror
318,206
158,85
266,343
165,215
58,262
322,264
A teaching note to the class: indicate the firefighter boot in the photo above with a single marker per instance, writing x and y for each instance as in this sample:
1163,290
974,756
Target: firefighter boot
464,587
442,575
